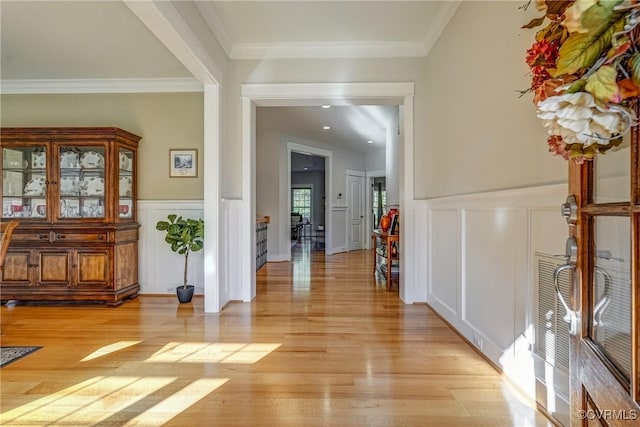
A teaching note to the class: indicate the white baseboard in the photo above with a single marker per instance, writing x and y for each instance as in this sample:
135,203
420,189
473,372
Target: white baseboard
277,257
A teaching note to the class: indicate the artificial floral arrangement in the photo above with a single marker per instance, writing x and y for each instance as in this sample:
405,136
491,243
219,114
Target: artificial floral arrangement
585,67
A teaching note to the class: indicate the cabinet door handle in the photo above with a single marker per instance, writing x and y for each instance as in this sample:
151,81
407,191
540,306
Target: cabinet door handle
60,236
43,236
74,265
33,265
100,237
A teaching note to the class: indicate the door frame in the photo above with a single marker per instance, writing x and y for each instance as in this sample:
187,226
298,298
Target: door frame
285,217
361,174
309,94
369,176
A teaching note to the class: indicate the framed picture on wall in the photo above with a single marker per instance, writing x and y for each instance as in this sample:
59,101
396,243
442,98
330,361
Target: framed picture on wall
183,163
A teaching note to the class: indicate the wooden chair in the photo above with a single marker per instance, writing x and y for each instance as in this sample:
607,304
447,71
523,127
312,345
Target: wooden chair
6,230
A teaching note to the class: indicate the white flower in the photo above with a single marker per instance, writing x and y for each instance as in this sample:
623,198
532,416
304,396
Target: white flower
579,120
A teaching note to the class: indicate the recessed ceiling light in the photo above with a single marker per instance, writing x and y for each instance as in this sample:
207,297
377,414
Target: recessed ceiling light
306,168
369,142
326,127
326,106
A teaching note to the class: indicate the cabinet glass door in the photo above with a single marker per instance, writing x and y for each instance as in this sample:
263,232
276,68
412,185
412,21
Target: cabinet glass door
24,182
82,182
125,184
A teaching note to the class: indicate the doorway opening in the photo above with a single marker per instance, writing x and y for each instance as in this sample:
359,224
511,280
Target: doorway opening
307,200
266,95
317,224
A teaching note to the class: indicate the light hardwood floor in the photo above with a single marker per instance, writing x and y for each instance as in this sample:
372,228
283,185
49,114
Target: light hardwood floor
321,345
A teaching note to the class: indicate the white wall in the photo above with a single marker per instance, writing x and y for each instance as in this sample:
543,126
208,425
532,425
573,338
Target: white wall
393,161
268,185
376,160
474,131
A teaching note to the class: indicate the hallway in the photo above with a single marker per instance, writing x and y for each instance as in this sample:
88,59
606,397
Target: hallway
399,365
321,345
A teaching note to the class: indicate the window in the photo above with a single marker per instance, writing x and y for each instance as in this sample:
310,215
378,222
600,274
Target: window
301,202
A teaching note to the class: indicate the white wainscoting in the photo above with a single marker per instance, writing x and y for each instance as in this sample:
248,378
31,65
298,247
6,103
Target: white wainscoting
161,270
480,267
231,217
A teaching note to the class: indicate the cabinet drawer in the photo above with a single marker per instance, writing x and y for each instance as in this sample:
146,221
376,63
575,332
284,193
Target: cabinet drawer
80,237
31,237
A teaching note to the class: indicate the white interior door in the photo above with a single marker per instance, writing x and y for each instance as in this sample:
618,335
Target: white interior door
355,211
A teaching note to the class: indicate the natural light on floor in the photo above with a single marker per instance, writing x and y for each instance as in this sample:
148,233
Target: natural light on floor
108,349
203,352
136,400
115,399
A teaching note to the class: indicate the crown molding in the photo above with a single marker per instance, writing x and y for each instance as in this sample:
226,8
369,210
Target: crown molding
327,50
166,23
443,16
70,86
215,24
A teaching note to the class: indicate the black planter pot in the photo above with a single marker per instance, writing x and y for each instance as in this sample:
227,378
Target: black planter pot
185,294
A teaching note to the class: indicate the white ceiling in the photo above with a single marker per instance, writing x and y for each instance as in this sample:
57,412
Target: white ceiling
80,40
93,39
261,29
351,126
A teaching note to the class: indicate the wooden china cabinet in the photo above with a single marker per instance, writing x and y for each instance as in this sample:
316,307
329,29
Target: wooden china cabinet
73,190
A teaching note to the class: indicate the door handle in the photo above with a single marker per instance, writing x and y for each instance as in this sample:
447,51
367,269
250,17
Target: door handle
571,316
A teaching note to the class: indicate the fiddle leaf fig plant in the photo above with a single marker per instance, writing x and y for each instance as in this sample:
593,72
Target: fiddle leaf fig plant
184,235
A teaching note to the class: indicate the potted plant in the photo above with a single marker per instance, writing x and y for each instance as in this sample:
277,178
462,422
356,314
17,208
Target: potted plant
184,235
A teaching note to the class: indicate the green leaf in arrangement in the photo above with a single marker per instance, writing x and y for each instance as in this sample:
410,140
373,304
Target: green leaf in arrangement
598,13
581,50
634,63
602,84
577,86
